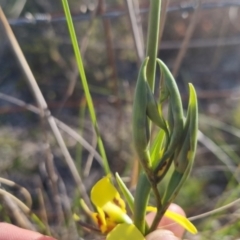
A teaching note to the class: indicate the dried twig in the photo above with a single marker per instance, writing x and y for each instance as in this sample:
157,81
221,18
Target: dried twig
43,213
219,153
21,189
42,104
16,211
186,39
137,36
60,124
90,159
163,18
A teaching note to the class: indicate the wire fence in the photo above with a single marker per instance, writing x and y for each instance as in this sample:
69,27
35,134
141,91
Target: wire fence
39,18
214,41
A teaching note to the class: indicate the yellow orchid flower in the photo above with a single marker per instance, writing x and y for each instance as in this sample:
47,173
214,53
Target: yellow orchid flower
111,209
111,217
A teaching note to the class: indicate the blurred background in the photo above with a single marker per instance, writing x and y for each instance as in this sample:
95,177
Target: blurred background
199,41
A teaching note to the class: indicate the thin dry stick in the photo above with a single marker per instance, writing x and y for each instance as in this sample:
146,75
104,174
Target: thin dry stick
23,63
113,83
80,139
217,210
72,228
163,18
186,39
16,212
109,48
219,153
139,22
209,213
138,41
43,213
13,203
21,205
53,178
90,158
43,105
58,210
60,124
21,189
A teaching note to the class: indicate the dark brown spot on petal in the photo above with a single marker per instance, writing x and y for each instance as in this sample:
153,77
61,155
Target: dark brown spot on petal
100,223
106,215
116,202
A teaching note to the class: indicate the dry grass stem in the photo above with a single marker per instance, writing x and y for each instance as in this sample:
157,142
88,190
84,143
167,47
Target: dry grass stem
21,189
72,133
136,31
221,155
186,39
43,105
42,211
16,212
89,161
163,18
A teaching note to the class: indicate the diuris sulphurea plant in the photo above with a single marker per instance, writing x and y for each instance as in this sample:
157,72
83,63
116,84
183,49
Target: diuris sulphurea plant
174,145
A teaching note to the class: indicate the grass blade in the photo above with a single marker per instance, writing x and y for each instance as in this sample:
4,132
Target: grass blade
85,83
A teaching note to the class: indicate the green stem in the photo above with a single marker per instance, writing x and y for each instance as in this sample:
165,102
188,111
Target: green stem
141,202
158,216
85,83
144,186
153,40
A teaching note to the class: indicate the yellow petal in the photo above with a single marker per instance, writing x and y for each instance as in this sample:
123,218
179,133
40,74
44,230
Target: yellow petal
181,220
102,192
151,209
125,232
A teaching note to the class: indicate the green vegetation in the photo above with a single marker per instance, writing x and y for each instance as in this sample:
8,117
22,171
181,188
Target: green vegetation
31,155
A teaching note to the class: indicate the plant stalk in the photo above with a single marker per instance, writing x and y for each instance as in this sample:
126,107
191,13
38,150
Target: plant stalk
153,40
144,186
141,201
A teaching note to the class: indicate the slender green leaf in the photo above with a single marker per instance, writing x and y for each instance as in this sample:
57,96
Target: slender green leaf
85,82
126,193
157,148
